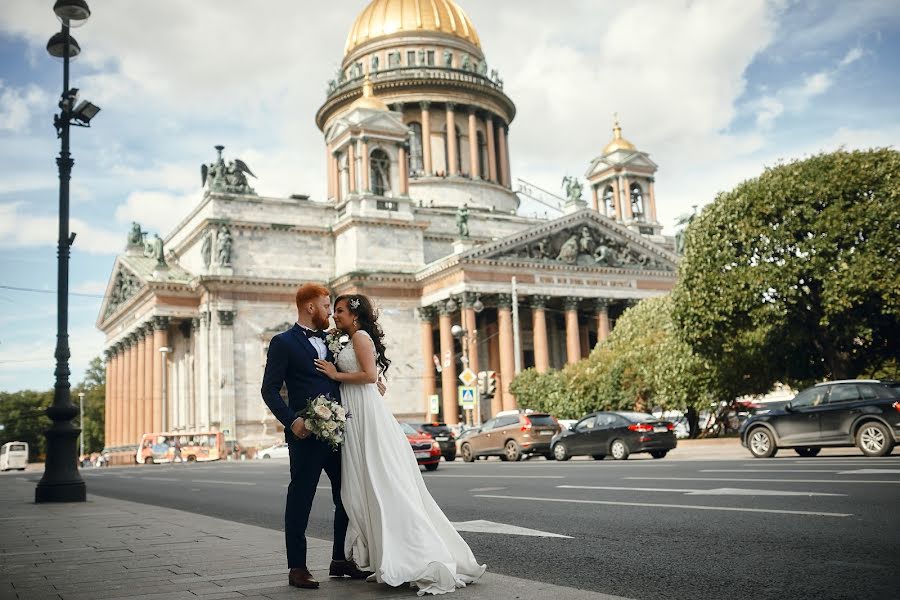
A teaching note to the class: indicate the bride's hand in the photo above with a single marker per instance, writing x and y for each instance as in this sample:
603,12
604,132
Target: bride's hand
326,368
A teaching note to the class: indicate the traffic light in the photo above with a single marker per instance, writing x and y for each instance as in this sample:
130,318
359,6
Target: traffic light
491,384
482,382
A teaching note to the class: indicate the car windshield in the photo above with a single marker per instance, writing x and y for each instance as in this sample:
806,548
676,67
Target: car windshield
541,420
436,429
408,429
637,417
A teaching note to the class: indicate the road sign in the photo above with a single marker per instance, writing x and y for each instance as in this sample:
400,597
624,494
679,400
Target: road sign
435,404
466,396
468,377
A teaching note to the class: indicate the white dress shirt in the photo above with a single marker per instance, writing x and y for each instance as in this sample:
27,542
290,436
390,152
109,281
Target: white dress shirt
319,345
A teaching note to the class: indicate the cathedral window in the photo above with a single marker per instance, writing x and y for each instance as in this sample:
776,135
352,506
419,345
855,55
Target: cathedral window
482,155
637,201
609,200
380,167
416,165
431,58
411,58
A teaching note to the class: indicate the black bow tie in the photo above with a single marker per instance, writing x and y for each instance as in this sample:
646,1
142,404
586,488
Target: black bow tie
311,334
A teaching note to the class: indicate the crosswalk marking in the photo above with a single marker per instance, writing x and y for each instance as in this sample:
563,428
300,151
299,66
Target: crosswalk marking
744,480
481,526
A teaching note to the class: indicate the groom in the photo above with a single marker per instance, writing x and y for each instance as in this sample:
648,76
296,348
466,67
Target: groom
290,362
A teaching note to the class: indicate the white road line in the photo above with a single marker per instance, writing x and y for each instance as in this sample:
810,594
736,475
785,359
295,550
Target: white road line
222,482
159,478
482,526
770,470
869,472
441,476
678,506
494,489
714,492
743,479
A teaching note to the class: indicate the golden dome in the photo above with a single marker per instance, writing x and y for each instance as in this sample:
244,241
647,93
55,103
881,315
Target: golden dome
618,142
387,17
369,99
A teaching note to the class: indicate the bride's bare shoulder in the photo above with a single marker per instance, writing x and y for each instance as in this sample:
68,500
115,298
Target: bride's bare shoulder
361,334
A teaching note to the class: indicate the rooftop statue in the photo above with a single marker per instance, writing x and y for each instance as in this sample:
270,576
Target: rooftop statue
230,178
573,188
462,221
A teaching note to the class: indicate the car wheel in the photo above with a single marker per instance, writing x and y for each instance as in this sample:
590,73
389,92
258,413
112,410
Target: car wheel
549,456
148,460
874,439
807,451
561,451
619,450
467,453
512,451
267,456
450,458
761,443
598,456
432,467
658,453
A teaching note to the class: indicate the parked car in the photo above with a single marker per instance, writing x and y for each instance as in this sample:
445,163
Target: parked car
279,450
427,451
616,434
857,412
442,434
511,436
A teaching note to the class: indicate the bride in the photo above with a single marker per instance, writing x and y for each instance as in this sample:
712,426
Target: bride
396,528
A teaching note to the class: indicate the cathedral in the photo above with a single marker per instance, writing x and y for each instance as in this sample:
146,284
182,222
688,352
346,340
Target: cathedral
421,215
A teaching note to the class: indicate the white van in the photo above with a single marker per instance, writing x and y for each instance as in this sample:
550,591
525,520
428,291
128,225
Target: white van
13,455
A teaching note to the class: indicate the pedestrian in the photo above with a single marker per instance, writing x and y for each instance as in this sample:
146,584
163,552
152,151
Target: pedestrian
693,420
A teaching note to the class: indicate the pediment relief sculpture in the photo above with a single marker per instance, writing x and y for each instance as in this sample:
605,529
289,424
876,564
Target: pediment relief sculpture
125,285
585,246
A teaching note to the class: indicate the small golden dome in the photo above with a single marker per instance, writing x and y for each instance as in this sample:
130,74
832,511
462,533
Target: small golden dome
618,142
388,17
369,99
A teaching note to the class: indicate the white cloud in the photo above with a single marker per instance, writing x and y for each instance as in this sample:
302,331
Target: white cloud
16,105
853,55
32,359
156,211
769,109
27,230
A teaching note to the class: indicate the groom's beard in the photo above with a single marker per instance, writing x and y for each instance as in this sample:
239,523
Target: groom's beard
320,323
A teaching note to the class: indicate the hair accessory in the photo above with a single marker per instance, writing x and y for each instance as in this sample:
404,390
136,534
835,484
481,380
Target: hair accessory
354,303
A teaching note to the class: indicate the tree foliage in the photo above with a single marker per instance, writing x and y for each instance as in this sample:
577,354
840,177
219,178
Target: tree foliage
94,388
792,276
642,365
22,415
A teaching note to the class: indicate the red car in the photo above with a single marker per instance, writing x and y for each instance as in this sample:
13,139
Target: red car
427,451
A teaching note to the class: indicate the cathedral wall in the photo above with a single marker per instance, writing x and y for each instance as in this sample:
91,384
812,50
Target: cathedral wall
375,247
405,395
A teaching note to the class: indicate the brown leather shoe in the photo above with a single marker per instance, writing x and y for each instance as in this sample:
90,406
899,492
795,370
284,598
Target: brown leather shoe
302,578
347,568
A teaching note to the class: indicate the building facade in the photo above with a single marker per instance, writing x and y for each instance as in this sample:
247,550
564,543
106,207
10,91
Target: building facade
421,216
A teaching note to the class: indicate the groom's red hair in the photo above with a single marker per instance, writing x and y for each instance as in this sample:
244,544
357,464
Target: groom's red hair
309,292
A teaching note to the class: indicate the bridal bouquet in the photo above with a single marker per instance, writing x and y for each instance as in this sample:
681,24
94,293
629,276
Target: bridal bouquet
325,419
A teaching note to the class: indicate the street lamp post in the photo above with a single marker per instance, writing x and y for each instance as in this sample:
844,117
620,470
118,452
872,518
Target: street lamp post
61,481
81,421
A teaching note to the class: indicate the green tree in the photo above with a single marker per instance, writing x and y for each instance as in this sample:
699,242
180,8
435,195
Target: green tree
22,415
94,388
792,276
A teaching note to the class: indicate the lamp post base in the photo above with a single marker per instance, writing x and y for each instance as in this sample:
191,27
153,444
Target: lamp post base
62,481
74,491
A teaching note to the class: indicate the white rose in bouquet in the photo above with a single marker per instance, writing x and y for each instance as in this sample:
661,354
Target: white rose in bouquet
323,412
341,413
330,426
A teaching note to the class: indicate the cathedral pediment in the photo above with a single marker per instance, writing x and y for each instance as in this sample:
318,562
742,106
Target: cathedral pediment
370,121
582,239
130,274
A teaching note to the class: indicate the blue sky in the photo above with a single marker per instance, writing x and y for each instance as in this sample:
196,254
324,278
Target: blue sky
714,90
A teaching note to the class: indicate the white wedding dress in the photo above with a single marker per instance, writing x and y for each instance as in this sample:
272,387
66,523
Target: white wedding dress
396,528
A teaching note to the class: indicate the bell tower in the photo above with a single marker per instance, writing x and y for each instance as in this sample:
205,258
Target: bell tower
621,181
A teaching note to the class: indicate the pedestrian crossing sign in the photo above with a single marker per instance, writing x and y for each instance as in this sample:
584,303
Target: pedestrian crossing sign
466,395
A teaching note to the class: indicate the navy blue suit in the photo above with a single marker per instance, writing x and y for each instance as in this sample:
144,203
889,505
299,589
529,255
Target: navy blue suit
290,362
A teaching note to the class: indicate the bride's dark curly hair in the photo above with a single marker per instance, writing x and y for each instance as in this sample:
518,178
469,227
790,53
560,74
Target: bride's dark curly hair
367,319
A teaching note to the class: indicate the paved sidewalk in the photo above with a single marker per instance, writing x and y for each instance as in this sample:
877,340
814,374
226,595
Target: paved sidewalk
106,549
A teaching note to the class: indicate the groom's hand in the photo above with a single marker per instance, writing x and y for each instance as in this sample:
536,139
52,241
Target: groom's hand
382,388
298,428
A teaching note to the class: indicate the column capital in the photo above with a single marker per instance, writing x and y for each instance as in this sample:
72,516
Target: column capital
147,328
108,354
424,105
195,323
472,110
538,301
364,139
205,318
631,302
226,318
451,106
602,304
443,310
426,313
160,323
571,302
131,339
504,301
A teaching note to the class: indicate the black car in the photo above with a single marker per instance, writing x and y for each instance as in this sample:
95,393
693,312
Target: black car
443,435
857,412
616,434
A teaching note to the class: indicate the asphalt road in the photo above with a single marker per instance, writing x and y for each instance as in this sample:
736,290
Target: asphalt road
788,527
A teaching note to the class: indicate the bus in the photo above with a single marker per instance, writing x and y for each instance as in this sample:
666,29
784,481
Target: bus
13,455
197,446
